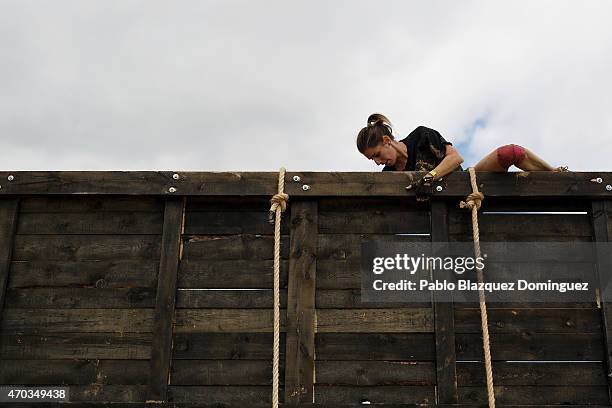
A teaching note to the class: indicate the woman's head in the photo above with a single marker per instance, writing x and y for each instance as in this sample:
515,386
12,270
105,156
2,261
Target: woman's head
374,140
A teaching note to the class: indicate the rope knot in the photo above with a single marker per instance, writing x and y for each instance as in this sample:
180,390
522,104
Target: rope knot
279,199
472,200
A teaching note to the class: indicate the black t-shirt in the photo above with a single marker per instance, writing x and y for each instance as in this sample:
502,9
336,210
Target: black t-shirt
426,149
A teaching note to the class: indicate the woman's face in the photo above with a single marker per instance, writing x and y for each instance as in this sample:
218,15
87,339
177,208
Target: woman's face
383,153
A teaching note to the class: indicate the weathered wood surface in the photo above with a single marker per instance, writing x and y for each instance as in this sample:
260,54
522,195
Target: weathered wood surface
523,227
444,325
301,325
74,372
327,320
85,247
83,279
409,394
530,320
537,395
110,222
224,372
535,184
48,346
534,347
104,273
42,321
602,230
161,351
8,222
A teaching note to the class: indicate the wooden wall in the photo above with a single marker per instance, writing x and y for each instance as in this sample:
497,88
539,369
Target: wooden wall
148,298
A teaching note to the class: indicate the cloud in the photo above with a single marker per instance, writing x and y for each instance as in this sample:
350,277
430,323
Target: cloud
237,85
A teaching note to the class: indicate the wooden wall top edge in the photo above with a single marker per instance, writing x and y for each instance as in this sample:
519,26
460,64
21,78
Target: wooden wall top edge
364,184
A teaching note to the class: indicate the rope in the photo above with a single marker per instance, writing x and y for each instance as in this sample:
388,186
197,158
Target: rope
279,204
473,202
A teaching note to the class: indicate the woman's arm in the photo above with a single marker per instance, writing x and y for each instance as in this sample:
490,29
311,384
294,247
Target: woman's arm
449,163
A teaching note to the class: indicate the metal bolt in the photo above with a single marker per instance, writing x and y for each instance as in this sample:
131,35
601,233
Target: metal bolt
439,188
609,187
296,178
305,187
175,176
172,189
11,178
597,180
610,375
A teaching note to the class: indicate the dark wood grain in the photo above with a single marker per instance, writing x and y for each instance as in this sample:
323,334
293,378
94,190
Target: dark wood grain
493,184
300,348
161,352
444,319
9,208
601,213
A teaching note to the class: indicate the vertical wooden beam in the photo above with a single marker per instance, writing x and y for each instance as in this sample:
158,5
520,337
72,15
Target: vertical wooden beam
444,319
300,340
8,225
171,251
601,211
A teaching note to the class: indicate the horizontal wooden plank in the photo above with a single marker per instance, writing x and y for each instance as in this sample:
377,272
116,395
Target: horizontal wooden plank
125,346
80,298
228,247
227,203
225,346
419,320
116,222
240,395
231,222
85,247
348,246
90,203
110,273
230,273
225,320
351,299
74,372
223,372
493,184
41,321
362,220
533,204
533,347
530,320
515,226
530,305
562,395
329,346
370,373
104,392
327,394
375,346
230,299
532,373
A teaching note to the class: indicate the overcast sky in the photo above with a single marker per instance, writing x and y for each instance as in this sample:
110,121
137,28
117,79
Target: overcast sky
255,85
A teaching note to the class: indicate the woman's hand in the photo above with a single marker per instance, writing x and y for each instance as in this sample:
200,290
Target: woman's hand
423,188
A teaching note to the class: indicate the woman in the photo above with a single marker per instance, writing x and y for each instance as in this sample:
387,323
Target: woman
424,149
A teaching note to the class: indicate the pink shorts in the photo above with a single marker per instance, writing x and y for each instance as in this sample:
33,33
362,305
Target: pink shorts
510,154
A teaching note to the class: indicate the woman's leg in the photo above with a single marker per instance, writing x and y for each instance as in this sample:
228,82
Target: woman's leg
532,162
503,157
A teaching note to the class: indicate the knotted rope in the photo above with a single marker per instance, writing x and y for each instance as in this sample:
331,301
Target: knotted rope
279,205
473,202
